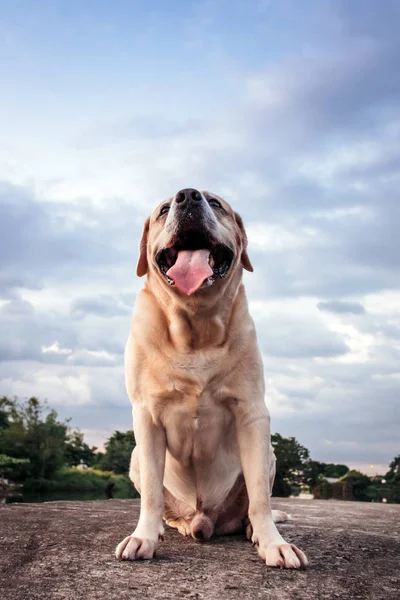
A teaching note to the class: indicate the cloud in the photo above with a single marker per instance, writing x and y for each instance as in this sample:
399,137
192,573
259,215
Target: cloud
340,306
103,306
296,336
40,243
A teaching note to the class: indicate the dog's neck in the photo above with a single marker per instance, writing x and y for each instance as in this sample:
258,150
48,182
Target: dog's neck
197,322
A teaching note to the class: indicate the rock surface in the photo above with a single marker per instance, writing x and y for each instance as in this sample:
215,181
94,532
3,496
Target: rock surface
64,550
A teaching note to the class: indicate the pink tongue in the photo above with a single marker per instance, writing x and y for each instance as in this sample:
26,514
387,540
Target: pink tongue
190,270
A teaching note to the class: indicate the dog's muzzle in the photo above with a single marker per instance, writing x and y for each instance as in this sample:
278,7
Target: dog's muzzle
194,258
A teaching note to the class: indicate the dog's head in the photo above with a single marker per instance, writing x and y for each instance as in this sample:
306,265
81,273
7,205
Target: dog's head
193,241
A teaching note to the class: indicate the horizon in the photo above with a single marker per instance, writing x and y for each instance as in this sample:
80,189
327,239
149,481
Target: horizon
291,114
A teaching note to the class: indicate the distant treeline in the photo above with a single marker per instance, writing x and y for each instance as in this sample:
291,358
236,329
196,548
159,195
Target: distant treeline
51,460
46,456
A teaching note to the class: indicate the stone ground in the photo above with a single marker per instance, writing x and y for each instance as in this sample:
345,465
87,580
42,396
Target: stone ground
64,550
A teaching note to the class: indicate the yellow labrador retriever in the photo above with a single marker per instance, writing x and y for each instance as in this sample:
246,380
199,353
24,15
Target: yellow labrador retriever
203,460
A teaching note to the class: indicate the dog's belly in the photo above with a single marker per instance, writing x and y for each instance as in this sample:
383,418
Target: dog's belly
202,462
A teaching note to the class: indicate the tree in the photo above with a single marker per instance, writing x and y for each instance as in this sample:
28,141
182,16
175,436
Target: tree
46,437
8,464
32,431
4,415
392,486
359,483
291,458
77,451
323,491
313,473
332,470
394,470
118,452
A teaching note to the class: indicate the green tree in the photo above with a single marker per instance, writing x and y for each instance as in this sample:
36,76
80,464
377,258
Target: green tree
332,470
32,431
359,483
391,489
46,437
394,470
9,464
4,413
313,473
291,460
77,451
118,452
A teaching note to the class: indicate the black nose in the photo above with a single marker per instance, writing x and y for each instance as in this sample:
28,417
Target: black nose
187,196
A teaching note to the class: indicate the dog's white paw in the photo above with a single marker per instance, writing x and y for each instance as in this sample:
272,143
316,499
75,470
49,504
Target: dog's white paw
135,548
282,555
278,516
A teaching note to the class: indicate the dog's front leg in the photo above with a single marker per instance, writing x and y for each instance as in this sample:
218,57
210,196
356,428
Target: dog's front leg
253,434
151,445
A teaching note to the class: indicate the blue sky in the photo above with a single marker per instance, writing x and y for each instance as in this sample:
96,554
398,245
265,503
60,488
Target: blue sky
290,111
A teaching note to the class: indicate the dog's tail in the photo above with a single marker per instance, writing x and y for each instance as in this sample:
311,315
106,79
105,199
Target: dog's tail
201,527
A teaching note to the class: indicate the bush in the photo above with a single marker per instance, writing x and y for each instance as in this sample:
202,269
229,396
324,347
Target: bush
323,491
73,483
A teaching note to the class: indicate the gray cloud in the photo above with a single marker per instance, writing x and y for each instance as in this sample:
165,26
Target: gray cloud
340,307
103,306
46,242
296,337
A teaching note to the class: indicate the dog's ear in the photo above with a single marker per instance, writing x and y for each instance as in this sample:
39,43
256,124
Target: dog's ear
246,264
143,265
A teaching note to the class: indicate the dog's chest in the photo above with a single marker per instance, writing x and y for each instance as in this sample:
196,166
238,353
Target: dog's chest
195,429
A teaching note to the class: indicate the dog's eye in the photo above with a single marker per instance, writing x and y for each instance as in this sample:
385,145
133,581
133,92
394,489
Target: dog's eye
164,210
214,203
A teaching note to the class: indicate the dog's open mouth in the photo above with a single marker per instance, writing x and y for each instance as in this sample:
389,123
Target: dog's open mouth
194,261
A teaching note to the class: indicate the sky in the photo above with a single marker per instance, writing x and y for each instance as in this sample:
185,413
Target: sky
291,112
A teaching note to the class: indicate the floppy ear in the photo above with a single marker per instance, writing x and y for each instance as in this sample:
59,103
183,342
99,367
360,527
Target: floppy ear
246,264
142,265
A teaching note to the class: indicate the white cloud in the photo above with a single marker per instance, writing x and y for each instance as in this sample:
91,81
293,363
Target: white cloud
55,347
278,238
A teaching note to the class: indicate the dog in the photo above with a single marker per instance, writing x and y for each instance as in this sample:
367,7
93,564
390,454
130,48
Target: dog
203,462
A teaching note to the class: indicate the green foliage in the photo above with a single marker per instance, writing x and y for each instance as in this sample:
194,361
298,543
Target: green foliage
4,413
32,432
118,452
9,464
74,483
332,470
315,472
36,447
290,459
359,484
394,470
77,452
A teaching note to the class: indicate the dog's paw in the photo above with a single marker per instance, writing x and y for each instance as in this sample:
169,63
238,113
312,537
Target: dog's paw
282,555
135,548
181,525
278,516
